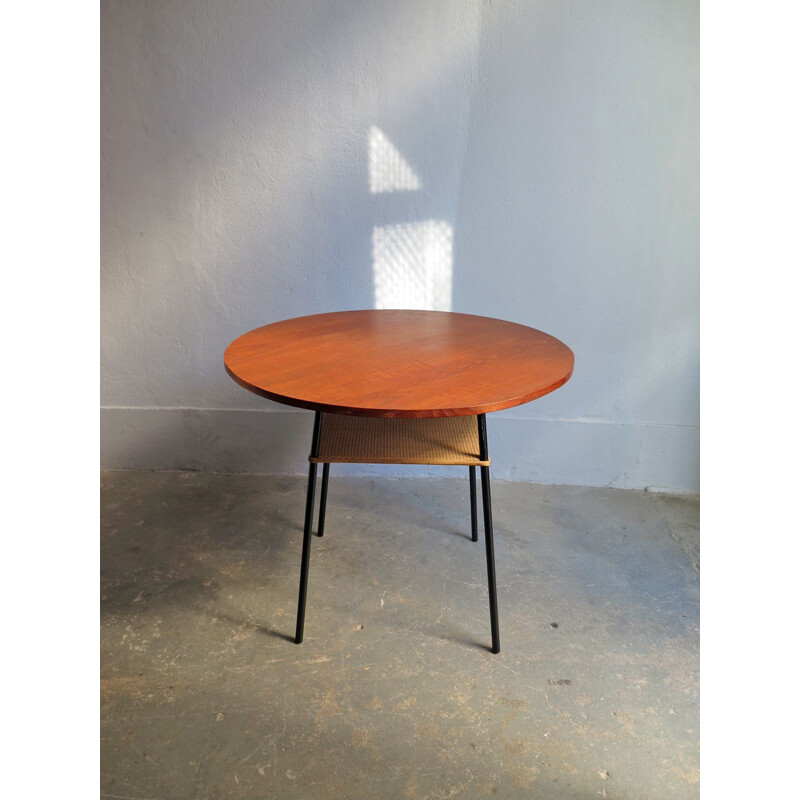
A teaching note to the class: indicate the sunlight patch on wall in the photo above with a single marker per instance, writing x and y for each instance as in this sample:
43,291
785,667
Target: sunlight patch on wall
413,265
388,170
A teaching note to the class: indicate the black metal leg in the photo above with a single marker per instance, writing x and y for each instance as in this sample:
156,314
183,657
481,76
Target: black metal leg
323,499
473,504
312,479
487,525
489,535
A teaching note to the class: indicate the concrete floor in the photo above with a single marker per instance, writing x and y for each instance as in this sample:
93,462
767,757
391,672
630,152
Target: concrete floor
393,693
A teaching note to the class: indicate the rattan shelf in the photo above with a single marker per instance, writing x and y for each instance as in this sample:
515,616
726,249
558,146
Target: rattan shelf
346,439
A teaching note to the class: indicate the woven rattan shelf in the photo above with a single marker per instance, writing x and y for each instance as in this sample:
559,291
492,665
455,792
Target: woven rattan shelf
385,440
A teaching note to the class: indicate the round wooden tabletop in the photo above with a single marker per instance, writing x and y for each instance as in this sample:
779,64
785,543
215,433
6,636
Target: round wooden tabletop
391,363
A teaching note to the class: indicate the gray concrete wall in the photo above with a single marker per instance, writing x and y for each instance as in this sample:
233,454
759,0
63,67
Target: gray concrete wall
534,161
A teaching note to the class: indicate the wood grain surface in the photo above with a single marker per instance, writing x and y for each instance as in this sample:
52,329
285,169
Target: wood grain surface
395,363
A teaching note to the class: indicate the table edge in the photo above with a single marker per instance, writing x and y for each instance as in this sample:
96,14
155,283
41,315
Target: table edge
466,411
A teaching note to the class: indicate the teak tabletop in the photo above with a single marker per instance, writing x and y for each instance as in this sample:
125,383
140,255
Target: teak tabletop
392,363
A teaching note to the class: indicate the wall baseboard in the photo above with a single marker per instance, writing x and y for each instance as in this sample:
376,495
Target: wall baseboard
574,452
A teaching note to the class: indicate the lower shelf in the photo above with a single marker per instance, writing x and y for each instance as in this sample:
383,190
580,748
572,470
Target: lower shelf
346,439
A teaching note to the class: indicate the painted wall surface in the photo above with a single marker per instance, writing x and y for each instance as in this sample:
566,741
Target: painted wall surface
534,161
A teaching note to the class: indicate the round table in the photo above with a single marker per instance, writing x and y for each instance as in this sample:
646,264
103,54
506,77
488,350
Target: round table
389,363
398,386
